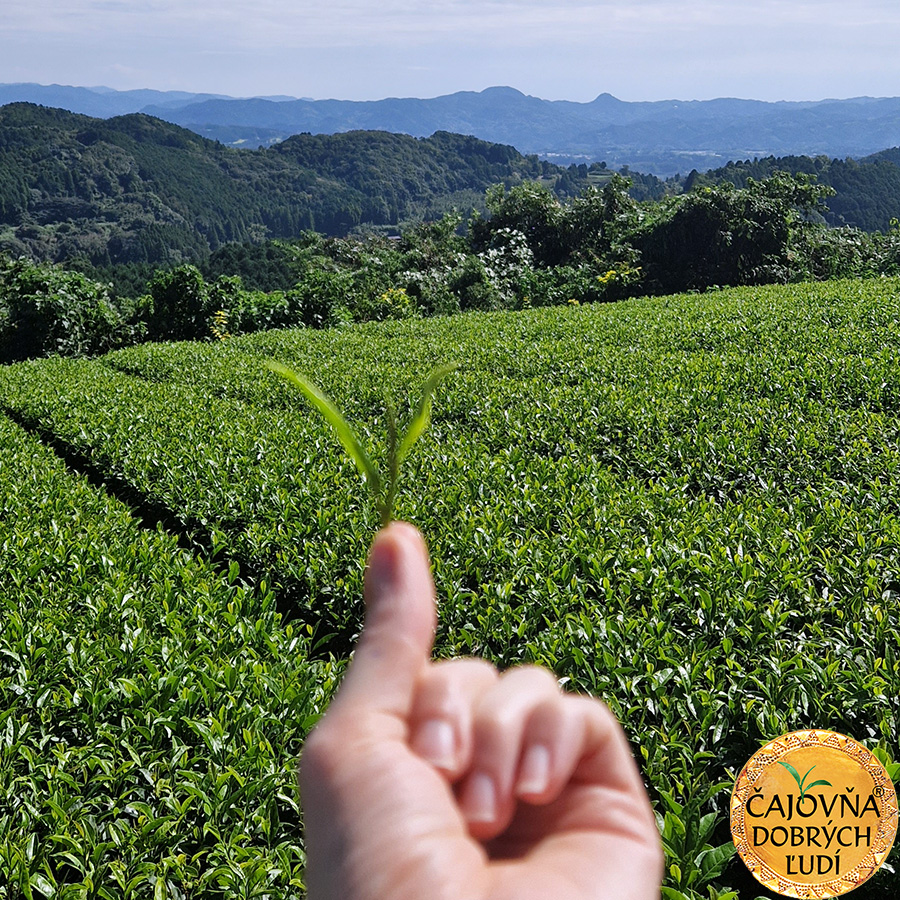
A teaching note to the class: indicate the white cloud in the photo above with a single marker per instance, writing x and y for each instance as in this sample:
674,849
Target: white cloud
348,22
497,22
643,49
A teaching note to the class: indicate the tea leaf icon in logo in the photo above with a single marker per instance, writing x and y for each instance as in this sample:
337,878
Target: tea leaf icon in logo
800,781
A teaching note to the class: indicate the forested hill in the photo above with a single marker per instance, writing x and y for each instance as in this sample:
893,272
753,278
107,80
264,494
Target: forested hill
135,189
867,191
138,190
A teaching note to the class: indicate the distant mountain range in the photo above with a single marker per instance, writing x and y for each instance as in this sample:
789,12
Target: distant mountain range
660,137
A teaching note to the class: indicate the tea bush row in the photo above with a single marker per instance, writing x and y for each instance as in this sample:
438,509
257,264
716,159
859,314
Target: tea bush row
151,707
686,505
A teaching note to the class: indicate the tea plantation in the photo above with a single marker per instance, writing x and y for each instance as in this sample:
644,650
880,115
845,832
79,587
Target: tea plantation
689,506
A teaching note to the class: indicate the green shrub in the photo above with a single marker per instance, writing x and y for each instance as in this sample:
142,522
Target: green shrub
472,285
181,305
722,235
152,705
46,310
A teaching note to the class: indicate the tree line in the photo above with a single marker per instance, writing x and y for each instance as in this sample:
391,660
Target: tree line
529,248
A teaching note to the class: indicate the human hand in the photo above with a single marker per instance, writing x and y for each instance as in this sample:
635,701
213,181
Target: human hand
449,780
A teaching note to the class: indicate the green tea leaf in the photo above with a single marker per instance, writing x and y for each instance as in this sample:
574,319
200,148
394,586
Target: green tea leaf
713,860
817,784
383,490
423,413
793,772
332,415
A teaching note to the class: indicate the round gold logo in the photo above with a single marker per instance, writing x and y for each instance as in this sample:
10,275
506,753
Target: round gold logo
813,814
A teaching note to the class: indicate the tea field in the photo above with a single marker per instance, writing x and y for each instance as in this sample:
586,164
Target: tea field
689,506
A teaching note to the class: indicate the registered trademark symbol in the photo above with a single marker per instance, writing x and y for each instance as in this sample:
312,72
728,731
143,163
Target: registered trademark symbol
878,791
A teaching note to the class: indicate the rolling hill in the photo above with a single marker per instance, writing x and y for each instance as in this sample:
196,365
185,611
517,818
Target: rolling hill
135,189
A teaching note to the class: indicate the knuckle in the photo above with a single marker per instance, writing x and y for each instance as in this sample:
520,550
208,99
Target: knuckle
325,745
451,685
531,677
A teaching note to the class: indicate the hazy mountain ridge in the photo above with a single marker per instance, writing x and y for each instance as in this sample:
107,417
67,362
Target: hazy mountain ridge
662,137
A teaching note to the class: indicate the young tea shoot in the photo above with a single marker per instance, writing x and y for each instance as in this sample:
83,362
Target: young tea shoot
383,487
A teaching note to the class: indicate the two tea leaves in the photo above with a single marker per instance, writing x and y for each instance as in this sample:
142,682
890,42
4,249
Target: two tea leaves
383,490
800,780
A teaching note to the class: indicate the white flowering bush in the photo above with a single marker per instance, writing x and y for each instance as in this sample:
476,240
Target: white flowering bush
509,266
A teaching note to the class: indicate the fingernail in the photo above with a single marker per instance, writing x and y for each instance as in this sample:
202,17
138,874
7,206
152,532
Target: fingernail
481,798
535,772
434,741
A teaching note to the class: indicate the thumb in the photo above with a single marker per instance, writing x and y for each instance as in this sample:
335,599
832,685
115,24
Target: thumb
399,629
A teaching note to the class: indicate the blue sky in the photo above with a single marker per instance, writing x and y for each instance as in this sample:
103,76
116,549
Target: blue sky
350,49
